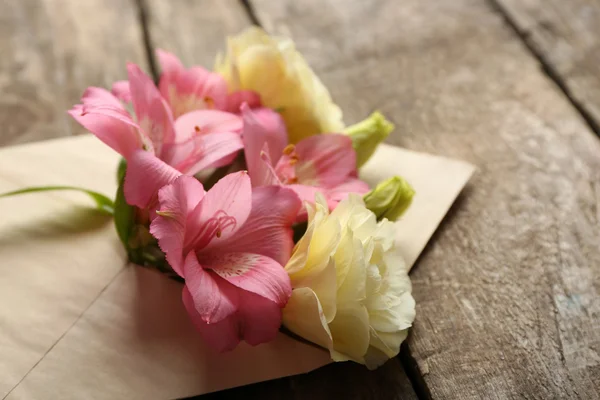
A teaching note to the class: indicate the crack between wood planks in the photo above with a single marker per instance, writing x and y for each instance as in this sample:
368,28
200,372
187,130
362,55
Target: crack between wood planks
414,374
247,5
550,71
148,47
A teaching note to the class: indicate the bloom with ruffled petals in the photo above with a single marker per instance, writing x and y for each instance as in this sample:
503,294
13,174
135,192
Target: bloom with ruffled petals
272,67
351,290
229,244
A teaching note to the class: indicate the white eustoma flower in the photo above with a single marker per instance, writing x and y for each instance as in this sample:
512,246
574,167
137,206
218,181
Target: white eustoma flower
351,290
273,68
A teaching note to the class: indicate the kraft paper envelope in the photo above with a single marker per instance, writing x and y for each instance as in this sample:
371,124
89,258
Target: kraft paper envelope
76,321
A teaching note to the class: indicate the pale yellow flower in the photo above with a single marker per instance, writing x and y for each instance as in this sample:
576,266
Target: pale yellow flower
351,290
272,67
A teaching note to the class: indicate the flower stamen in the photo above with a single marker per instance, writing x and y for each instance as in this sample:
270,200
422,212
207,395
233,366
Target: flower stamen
214,228
289,149
210,103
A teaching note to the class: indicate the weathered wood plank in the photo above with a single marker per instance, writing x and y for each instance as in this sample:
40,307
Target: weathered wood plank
196,31
51,51
336,381
507,291
566,36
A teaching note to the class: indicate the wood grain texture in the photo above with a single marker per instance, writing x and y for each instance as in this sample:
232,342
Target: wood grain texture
335,381
194,30
566,36
51,51
507,290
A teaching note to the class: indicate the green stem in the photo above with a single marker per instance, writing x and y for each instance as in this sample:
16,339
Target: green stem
103,203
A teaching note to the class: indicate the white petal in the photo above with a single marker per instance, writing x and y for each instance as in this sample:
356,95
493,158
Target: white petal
304,316
351,269
350,332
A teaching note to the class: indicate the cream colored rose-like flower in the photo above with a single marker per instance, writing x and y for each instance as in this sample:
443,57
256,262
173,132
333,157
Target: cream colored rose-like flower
273,68
351,290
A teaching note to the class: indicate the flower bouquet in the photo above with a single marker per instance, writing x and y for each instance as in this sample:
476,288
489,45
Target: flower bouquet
244,184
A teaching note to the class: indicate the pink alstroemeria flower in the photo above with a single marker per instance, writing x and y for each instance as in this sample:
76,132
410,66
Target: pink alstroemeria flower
192,89
320,163
230,245
195,141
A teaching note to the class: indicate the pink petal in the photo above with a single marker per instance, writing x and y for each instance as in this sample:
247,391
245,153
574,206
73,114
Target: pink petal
258,143
153,114
110,126
223,210
122,91
221,336
254,139
236,99
276,133
214,298
266,175
215,88
263,173
265,125
176,202
260,319
203,151
268,230
108,110
325,160
257,321
341,191
188,90
202,122
252,272
146,174
304,192
171,69
99,96
169,63
196,89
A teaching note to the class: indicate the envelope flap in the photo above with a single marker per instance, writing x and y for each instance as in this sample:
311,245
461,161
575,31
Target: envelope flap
436,180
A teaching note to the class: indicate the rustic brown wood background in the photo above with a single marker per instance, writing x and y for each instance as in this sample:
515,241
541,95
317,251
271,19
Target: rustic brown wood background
507,290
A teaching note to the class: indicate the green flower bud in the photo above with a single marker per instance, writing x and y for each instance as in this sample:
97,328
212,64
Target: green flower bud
367,134
390,198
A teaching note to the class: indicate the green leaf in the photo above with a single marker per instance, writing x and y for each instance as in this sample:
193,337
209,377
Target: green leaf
132,228
124,216
121,170
103,203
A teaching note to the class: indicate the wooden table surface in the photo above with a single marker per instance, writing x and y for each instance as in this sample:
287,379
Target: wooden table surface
507,290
